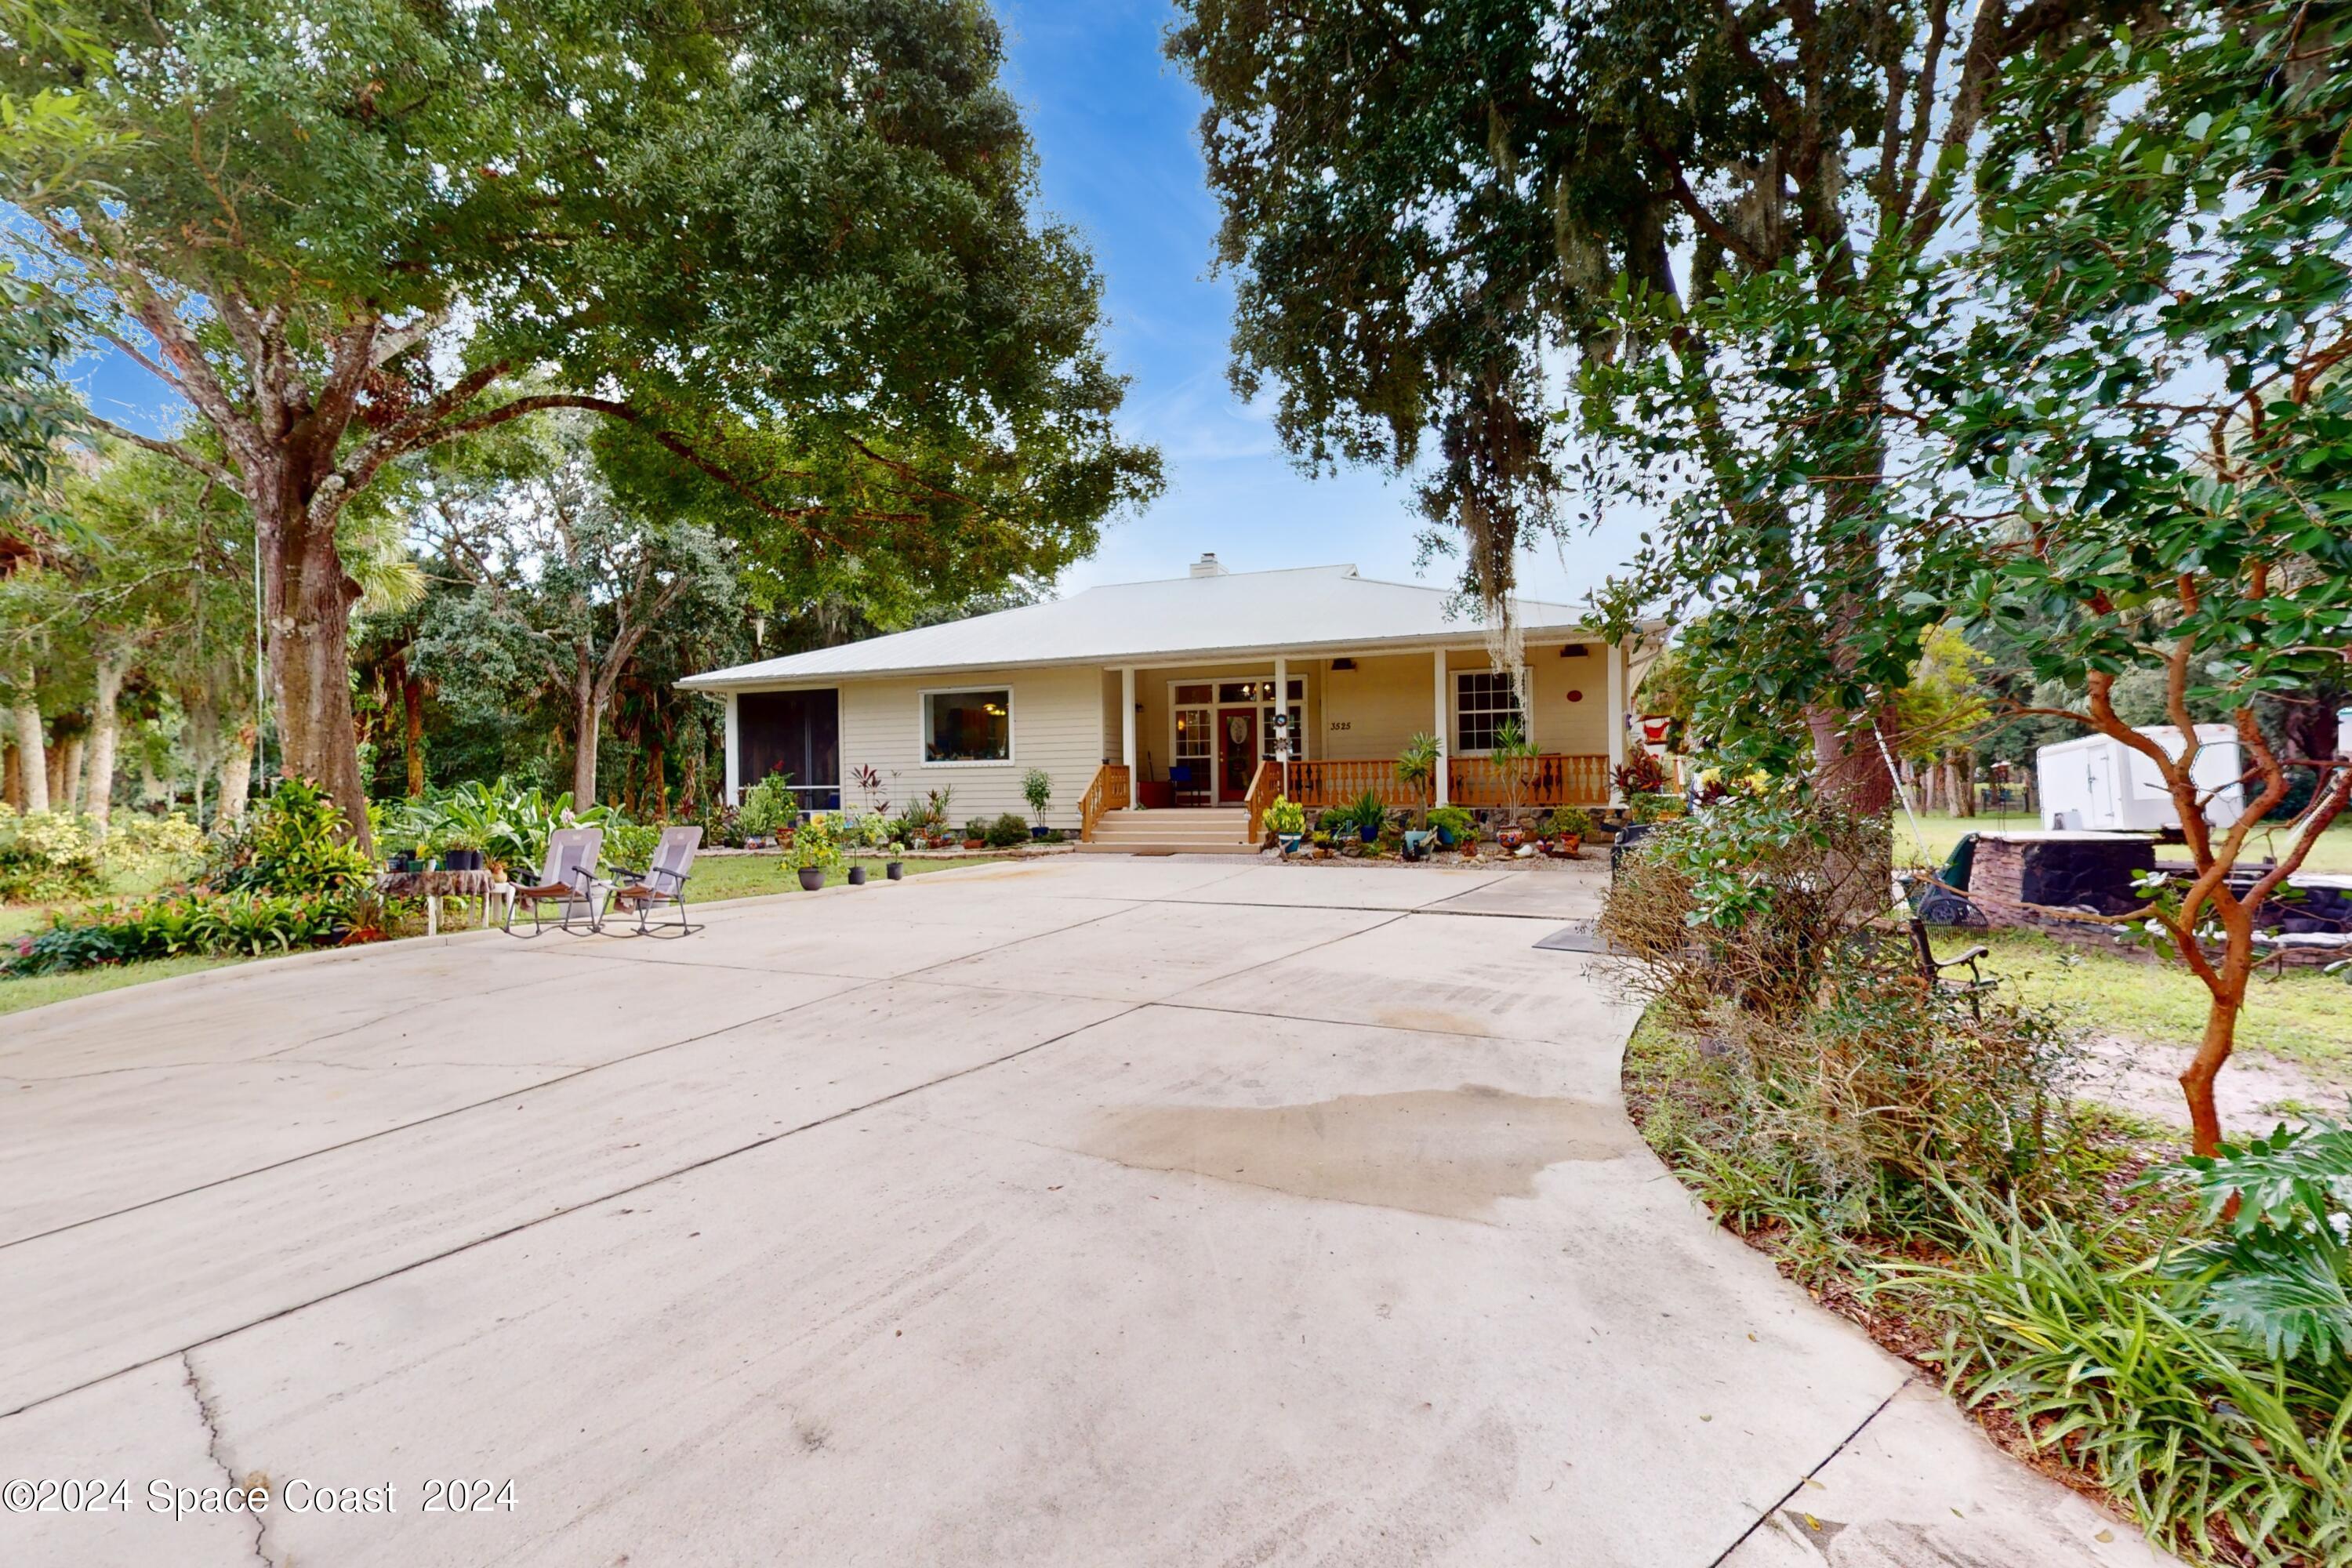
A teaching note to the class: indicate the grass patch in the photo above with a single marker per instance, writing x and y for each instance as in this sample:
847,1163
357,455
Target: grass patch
1943,833
16,995
756,876
2302,1015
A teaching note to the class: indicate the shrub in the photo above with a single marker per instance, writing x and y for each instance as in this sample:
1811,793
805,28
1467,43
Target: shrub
509,826
768,807
46,855
1455,822
1569,819
1654,807
291,843
1007,831
1285,815
170,847
2278,1276
722,825
630,844
1746,901
976,830
244,922
1038,789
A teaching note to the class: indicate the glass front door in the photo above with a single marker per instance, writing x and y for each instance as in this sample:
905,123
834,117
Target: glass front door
1236,752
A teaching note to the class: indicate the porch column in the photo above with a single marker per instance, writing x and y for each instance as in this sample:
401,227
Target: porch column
1282,706
1616,715
734,753
1127,729
1444,729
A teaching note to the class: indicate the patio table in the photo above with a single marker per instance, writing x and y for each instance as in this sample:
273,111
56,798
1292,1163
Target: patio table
434,885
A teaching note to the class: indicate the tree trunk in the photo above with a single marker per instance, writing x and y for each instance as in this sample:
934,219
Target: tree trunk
2220,1035
411,701
689,783
236,774
584,720
308,610
657,781
105,728
65,774
12,783
1849,769
32,757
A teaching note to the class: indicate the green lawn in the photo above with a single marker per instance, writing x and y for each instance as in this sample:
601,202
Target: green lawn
749,876
1942,832
2302,1015
716,878
16,995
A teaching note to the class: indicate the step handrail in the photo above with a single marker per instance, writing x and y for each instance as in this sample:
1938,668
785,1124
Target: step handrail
1108,792
1266,787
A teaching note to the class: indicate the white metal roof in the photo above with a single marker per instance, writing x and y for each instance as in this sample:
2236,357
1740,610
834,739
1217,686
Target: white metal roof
1308,609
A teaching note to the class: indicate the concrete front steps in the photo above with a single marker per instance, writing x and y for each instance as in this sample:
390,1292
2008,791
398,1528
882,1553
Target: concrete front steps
1182,830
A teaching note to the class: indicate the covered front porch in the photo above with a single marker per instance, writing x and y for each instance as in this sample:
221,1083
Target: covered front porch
1205,740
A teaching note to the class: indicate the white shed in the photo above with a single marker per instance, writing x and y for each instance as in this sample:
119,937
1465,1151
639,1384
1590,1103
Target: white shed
2100,784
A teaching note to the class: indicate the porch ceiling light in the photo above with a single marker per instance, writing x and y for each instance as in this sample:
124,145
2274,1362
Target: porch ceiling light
1340,664
1574,650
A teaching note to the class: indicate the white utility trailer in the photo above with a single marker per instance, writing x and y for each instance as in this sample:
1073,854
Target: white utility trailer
2101,785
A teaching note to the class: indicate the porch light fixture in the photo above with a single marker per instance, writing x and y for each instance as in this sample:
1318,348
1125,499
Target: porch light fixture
1338,665
1574,650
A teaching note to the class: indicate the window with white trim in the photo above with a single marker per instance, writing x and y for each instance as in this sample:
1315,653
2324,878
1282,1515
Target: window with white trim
967,726
1483,700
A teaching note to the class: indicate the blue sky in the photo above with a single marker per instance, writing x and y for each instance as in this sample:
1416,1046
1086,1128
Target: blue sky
1115,128
1114,124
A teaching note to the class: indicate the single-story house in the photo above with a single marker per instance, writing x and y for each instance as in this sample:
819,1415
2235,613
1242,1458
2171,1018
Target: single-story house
1153,708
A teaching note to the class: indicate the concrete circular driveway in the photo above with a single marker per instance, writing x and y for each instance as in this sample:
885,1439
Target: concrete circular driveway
1091,1211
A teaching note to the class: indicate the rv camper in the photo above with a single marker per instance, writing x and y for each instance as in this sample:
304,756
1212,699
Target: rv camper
2099,783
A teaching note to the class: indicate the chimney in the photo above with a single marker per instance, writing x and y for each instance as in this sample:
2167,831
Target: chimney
1208,565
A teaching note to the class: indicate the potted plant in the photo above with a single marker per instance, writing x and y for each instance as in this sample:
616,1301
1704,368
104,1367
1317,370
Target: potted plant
461,850
1037,788
1368,816
894,867
1569,827
1286,820
1322,842
814,851
975,833
1452,824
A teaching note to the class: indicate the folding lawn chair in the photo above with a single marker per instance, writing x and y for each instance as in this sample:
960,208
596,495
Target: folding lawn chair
567,878
661,885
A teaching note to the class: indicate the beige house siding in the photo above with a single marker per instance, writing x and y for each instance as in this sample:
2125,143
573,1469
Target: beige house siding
1058,724
1388,698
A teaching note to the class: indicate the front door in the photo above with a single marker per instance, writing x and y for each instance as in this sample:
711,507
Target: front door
1236,752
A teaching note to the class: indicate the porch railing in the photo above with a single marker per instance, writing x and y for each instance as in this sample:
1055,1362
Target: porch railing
1108,792
1554,778
1329,781
1266,787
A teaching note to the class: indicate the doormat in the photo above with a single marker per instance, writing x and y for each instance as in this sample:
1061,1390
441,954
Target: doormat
1578,938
